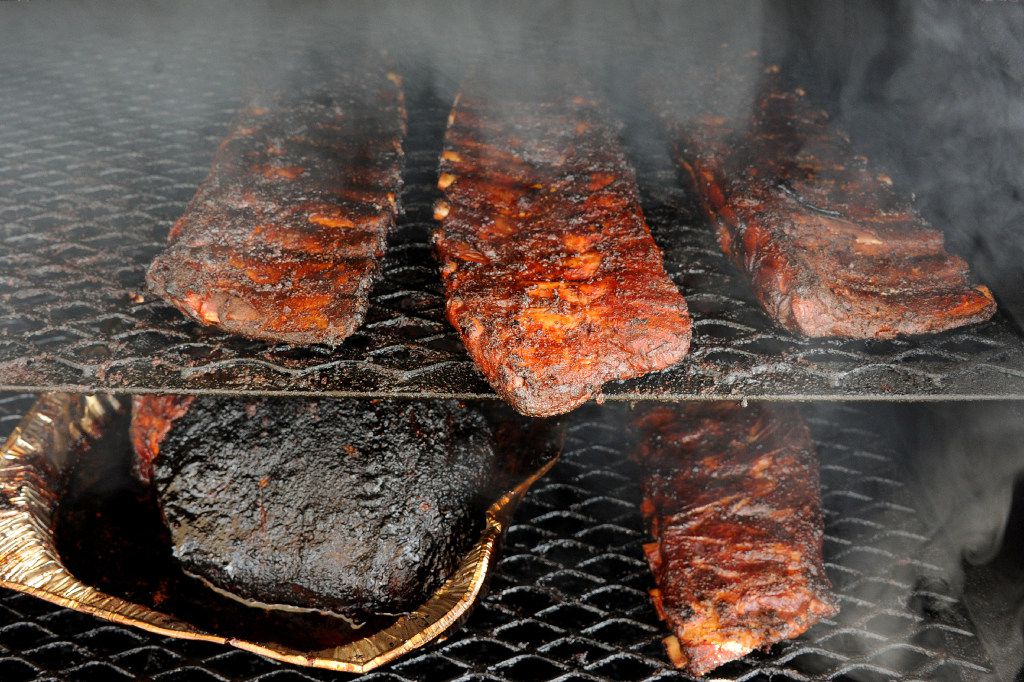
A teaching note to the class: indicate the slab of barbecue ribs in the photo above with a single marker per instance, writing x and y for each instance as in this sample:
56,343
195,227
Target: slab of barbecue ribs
552,277
283,239
830,248
342,506
734,505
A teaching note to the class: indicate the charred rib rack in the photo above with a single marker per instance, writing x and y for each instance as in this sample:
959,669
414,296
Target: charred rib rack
552,277
283,238
344,506
830,248
733,502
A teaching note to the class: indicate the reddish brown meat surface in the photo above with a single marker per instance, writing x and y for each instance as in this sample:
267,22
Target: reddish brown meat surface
734,505
830,248
552,277
152,419
283,238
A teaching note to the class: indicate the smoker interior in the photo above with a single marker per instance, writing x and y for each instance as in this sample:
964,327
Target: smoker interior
105,140
108,120
569,595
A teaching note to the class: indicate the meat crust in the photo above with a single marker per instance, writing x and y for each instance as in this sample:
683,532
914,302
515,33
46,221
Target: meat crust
283,239
732,497
344,506
552,277
152,419
830,248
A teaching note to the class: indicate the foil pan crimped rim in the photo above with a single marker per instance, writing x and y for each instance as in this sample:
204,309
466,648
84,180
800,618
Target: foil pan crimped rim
40,451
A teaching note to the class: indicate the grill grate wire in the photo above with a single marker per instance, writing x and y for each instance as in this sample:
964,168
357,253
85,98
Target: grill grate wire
103,140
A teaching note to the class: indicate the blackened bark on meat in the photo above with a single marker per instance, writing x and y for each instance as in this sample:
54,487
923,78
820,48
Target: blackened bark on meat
552,277
734,505
283,240
830,248
341,506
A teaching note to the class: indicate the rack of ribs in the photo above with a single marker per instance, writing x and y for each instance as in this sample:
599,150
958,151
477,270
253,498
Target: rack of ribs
830,248
282,241
552,277
733,501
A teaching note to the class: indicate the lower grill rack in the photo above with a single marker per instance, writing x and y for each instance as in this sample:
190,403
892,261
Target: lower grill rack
569,599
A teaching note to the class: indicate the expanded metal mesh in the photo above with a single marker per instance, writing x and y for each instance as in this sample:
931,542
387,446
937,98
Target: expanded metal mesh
103,141
568,599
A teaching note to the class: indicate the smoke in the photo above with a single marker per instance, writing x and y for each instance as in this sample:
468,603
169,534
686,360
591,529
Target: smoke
934,93
609,40
965,463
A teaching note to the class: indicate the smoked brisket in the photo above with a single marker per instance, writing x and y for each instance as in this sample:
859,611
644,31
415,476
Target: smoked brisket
344,506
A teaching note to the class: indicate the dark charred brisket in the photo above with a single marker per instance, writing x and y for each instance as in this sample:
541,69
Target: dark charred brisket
830,248
552,277
283,238
734,505
352,507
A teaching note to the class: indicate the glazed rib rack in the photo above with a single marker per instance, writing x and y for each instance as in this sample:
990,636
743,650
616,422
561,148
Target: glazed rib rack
88,191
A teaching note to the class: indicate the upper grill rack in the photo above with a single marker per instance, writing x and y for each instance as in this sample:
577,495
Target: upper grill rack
100,150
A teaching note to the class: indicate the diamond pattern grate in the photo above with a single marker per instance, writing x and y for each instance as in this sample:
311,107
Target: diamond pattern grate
103,141
568,599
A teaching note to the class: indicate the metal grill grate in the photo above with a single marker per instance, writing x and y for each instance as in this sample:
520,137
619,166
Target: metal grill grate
103,141
568,600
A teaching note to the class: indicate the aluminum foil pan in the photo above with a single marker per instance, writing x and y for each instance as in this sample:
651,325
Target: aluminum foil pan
36,462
